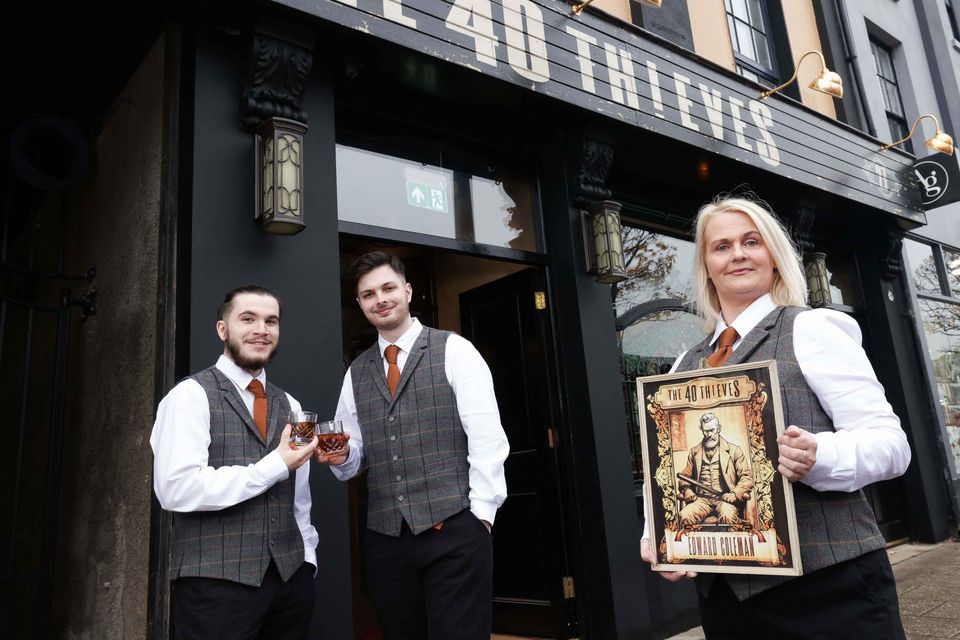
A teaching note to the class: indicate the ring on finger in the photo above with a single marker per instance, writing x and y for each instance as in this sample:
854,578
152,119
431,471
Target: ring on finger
803,457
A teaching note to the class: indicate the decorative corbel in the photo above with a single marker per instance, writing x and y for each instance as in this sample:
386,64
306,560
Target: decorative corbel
279,59
892,265
593,165
814,262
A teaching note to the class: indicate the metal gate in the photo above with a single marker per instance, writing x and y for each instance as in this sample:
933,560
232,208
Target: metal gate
36,312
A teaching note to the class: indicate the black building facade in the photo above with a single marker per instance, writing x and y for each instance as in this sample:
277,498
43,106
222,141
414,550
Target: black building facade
474,138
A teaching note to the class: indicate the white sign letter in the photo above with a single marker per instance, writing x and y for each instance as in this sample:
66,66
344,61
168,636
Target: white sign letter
583,57
620,70
473,18
683,102
738,124
654,78
393,10
714,104
763,118
523,42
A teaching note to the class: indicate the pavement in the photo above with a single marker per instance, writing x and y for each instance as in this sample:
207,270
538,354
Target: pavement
928,585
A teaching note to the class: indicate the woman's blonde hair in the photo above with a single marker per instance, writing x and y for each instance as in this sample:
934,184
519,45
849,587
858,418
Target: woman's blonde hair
789,287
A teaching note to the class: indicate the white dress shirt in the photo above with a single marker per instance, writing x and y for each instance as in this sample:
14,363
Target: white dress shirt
472,384
184,482
868,445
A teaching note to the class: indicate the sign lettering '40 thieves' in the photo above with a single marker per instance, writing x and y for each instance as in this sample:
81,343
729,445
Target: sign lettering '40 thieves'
714,500
614,69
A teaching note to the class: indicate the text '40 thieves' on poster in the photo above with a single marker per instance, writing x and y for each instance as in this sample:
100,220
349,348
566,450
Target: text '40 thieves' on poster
714,499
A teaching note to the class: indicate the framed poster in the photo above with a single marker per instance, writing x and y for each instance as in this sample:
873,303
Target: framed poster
714,499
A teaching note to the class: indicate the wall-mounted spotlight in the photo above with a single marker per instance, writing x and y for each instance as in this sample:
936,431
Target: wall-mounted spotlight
827,82
939,142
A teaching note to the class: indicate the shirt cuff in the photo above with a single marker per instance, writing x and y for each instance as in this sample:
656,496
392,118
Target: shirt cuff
822,469
484,510
310,555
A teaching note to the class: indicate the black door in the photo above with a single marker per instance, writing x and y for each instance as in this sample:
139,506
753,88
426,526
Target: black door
503,320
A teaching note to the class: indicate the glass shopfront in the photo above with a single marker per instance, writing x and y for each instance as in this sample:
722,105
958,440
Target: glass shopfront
935,272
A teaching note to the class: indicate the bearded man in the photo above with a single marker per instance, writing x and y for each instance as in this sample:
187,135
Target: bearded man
723,476
243,549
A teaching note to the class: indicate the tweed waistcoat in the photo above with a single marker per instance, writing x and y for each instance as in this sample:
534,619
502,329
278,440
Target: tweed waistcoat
833,526
413,441
237,543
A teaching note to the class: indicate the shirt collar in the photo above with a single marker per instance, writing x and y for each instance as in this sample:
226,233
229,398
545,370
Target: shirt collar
748,318
405,342
237,375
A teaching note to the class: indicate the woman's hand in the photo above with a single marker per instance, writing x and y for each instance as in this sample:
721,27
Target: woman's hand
646,553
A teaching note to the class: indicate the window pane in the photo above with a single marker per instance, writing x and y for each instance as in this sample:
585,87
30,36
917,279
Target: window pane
763,53
756,16
658,267
884,62
953,270
892,98
750,75
648,347
941,323
498,209
898,129
922,266
731,23
840,274
740,10
745,40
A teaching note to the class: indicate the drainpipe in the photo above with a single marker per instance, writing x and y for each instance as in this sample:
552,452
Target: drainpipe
851,55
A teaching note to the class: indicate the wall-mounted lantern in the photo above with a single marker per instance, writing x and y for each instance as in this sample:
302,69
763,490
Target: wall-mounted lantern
279,171
603,242
818,280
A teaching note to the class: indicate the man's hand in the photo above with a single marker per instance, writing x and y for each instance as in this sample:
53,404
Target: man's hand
728,497
292,456
689,496
798,453
646,553
335,458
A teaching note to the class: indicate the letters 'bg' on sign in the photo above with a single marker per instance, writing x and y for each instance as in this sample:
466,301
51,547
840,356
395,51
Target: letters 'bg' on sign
938,178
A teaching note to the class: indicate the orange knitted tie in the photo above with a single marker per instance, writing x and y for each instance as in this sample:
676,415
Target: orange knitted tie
259,406
724,347
393,371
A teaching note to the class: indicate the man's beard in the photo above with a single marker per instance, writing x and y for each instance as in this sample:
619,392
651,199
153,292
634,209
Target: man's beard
711,443
257,362
389,324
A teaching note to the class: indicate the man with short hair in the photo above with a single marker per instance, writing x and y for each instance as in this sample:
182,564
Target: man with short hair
422,414
242,549
722,474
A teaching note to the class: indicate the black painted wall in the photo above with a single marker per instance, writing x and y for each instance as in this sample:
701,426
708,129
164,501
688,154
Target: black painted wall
899,369
228,249
671,20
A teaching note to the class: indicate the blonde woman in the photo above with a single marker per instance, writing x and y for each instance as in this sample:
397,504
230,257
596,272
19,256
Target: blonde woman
842,436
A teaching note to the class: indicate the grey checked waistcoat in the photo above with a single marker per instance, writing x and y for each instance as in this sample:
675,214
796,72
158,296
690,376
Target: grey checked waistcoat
413,441
833,526
237,543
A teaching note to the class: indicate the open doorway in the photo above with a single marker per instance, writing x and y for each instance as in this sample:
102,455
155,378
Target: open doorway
501,307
